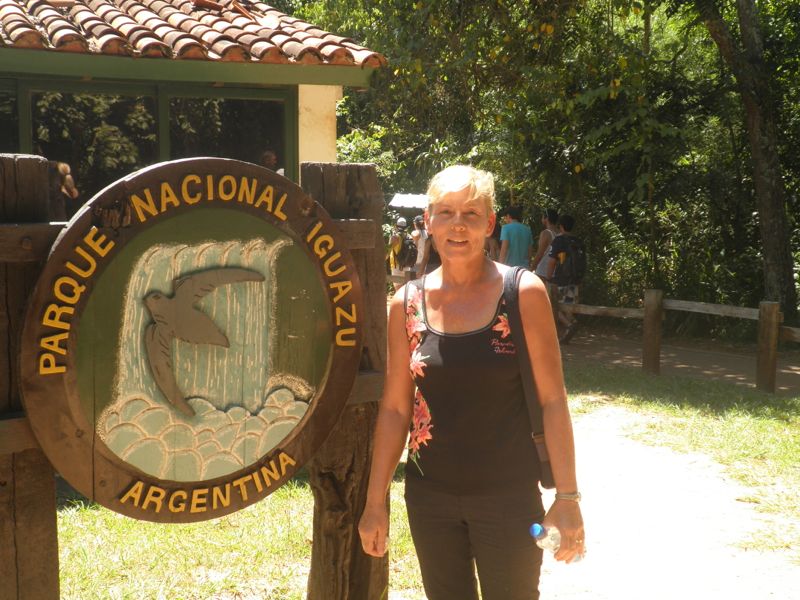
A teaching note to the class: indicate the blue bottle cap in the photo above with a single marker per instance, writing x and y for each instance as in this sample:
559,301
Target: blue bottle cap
537,531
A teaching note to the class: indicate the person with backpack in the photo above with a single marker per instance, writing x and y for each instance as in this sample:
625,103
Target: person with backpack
402,251
567,265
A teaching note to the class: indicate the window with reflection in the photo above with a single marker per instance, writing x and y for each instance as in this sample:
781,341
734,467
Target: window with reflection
91,140
248,130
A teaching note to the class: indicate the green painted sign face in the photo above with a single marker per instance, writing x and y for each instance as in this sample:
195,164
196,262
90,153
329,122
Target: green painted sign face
192,340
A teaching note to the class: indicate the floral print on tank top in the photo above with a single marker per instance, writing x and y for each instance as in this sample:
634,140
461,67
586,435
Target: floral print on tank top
421,420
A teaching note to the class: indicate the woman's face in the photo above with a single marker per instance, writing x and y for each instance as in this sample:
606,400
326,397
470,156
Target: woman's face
459,225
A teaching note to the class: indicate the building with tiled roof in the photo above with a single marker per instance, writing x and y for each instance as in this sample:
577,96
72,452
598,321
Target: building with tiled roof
164,49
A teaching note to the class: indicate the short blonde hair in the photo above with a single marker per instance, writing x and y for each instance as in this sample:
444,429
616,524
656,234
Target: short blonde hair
458,177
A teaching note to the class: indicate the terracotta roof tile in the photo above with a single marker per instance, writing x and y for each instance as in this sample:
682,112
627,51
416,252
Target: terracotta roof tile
217,30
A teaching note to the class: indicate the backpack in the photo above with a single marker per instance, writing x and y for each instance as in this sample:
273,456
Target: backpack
571,265
406,256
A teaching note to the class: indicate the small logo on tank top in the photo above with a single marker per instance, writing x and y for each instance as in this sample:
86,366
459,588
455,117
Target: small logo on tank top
501,347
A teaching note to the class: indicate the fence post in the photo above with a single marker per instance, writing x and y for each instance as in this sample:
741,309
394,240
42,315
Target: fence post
28,533
651,331
769,322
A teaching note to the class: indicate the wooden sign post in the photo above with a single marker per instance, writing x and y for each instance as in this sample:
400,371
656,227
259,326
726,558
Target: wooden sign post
190,343
339,472
28,538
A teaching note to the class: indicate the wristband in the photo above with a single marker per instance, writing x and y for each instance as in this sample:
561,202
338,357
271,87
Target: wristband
572,497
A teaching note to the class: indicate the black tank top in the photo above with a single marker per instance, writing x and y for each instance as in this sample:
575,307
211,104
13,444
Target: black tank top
470,433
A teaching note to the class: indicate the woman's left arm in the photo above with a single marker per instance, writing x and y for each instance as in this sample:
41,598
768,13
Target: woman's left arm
545,354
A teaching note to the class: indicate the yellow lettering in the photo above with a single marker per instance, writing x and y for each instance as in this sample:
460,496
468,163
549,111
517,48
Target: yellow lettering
90,267
48,366
327,265
177,506
271,473
187,197
210,187
52,316
322,245
134,494
148,206
340,341
278,212
53,343
218,498
227,194
350,316
247,194
199,500
314,231
155,495
241,484
285,460
266,197
257,481
95,242
344,288
77,290
168,196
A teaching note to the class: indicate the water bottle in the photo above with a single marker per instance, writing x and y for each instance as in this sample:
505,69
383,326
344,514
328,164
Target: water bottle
549,538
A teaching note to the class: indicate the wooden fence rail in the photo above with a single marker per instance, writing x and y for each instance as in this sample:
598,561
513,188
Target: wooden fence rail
768,315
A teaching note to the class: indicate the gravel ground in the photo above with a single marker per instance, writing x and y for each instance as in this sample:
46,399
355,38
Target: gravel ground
662,525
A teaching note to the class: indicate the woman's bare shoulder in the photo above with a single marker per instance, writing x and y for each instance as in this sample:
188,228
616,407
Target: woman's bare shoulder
531,288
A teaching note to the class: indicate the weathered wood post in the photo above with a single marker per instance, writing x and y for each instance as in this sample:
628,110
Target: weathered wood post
651,331
769,322
339,472
28,535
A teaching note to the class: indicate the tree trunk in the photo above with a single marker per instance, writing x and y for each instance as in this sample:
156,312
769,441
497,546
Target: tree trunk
747,64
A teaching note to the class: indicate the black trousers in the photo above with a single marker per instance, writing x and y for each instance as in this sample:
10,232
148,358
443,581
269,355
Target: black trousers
455,535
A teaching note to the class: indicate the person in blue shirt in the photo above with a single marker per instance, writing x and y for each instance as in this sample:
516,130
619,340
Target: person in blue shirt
516,240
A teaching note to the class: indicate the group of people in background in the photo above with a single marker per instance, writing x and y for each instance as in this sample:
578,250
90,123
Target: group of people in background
553,249
511,244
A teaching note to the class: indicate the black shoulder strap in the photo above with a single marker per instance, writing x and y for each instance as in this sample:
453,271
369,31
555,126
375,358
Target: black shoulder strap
511,297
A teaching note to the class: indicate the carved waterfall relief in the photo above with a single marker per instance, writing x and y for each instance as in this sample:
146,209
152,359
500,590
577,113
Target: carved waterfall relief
209,345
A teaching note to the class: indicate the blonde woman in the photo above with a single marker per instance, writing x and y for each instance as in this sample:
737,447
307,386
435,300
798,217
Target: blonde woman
453,381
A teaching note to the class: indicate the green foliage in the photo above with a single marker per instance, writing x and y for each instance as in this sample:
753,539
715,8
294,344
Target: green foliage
619,112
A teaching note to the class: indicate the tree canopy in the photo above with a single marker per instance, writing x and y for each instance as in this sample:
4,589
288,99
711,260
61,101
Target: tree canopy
634,116
668,128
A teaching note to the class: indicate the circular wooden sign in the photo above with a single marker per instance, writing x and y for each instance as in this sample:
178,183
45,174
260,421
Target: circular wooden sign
192,340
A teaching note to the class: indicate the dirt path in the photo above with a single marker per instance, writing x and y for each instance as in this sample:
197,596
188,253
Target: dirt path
735,366
662,525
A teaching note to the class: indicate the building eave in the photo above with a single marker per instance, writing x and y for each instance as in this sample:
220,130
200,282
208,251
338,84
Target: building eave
43,63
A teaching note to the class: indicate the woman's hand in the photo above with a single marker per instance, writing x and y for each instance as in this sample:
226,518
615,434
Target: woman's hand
374,530
566,516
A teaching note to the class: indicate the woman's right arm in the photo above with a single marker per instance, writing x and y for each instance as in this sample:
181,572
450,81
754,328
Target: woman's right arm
391,431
